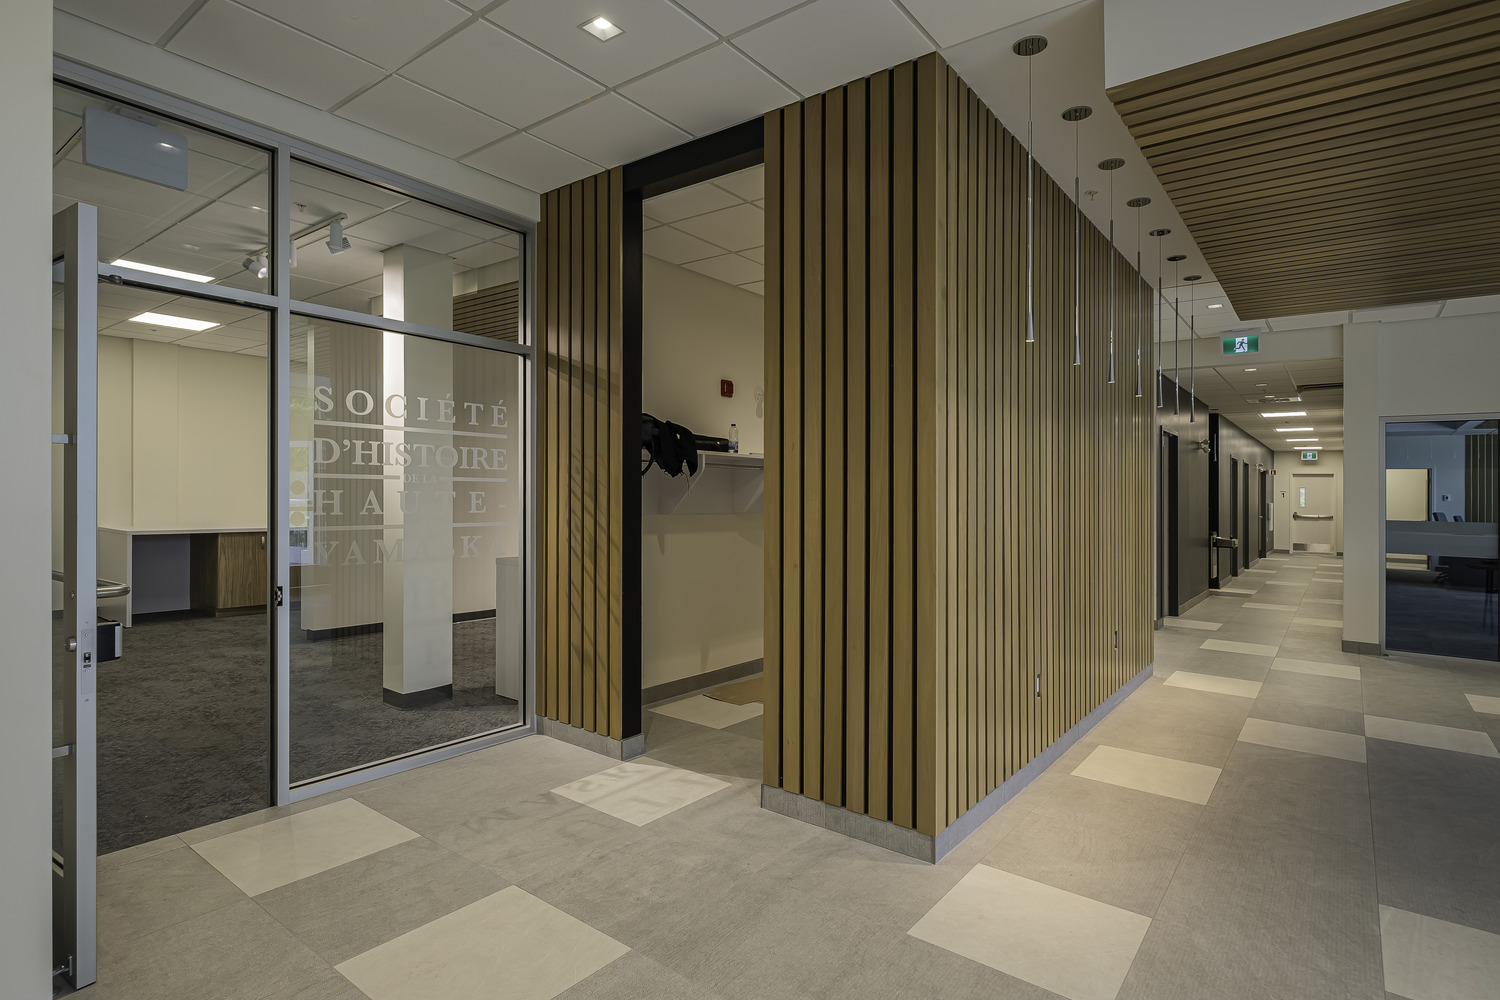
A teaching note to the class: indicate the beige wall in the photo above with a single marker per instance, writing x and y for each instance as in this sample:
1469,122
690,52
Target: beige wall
25,393
1287,465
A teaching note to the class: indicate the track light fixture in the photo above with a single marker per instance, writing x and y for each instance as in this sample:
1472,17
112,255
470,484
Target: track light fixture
1028,47
337,241
1161,299
1076,114
257,265
1192,349
1140,301
1109,166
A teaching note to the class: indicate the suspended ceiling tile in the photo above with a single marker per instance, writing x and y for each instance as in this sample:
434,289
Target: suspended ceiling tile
242,43
422,117
710,90
390,229
954,21
386,32
653,33
676,247
758,287
699,199
1397,314
730,268
528,161
728,16
757,254
830,42
500,75
1471,306
147,20
748,184
609,130
484,255
737,228
1283,323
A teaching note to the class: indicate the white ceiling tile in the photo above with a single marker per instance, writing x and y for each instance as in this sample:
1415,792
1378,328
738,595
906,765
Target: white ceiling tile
737,228
386,32
609,130
528,161
730,268
830,42
654,32
954,21
708,91
757,254
242,43
758,287
147,20
500,75
484,255
683,203
1308,322
1397,314
748,184
728,16
675,246
1471,307
423,118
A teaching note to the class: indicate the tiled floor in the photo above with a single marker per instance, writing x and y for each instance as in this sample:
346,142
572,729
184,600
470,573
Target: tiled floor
1267,817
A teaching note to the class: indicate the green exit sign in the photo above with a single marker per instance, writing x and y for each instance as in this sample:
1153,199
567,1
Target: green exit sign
1242,345
1309,456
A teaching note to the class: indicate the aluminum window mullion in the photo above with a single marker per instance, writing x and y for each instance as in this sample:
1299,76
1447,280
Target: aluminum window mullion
368,321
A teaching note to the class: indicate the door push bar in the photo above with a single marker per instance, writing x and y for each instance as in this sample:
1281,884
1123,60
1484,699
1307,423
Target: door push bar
1219,542
103,588
1311,517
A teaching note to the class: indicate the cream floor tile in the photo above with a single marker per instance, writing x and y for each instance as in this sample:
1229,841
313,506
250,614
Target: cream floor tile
1271,607
1342,670
1214,683
1320,600
1323,742
1145,772
1430,959
1484,703
639,793
1230,646
706,711
1069,944
1425,734
1286,583
1331,565
266,857
509,944
1190,623
1234,590
1268,571
1325,622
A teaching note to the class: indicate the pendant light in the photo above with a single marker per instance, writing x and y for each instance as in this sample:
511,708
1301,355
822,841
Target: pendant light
1028,47
1176,259
1076,114
1109,166
1140,301
1161,299
1192,344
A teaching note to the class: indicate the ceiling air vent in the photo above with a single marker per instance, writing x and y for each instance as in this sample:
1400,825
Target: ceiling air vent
1321,387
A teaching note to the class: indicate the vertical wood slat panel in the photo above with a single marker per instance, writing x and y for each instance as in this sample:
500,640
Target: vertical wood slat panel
774,449
857,377
574,716
903,471
591,453
835,448
954,598
881,535
567,523
622,428
547,461
792,449
812,447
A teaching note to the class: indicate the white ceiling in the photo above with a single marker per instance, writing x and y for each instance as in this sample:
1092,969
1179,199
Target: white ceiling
717,228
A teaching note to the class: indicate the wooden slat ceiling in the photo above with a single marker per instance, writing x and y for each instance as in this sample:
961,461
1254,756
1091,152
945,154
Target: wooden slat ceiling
1350,166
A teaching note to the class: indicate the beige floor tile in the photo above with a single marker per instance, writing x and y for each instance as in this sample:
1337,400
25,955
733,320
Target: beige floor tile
1324,742
1430,959
706,711
1234,590
1069,944
1270,607
282,851
1424,734
1230,646
638,792
1484,703
1326,622
1320,600
509,944
1215,684
1295,666
1191,623
1178,779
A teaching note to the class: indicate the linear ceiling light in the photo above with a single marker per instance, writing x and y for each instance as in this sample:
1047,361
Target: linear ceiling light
176,322
169,272
1288,413
1027,47
1292,430
1138,204
1216,305
1110,166
602,28
1298,440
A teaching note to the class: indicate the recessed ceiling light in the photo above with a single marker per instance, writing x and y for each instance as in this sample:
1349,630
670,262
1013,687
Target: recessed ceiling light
1252,369
1289,413
1291,430
1297,440
176,322
1261,385
1312,447
1216,305
601,28
152,268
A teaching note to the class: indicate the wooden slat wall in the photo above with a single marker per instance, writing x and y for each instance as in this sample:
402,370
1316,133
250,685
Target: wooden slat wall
1482,478
954,519
490,312
580,319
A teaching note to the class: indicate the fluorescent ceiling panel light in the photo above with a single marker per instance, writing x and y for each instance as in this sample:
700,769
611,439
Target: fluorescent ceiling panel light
1216,305
152,268
176,322
601,28
1291,430
1289,413
1252,369
1299,440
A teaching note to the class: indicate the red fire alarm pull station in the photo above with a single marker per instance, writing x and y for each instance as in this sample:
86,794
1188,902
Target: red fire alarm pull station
726,388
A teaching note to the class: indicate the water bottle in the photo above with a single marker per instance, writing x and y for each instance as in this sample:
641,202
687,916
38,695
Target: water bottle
734,439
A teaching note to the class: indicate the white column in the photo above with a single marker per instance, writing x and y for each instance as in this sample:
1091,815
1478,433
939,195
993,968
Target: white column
25,557
418,587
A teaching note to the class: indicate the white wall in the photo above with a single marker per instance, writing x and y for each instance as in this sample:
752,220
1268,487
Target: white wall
697,331
1146,37
1287,464
1438,368
25,410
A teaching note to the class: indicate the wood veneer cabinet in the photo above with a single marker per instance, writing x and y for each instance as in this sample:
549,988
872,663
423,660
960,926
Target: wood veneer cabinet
229,572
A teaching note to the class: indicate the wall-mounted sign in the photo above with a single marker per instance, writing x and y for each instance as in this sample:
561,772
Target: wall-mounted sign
1249,344
1309,456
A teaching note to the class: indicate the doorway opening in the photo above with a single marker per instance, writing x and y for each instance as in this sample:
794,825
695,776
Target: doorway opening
1167,505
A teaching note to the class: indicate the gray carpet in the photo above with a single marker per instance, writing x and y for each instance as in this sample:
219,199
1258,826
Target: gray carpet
184,717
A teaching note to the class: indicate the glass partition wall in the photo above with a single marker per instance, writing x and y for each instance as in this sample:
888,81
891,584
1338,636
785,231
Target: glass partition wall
321,375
